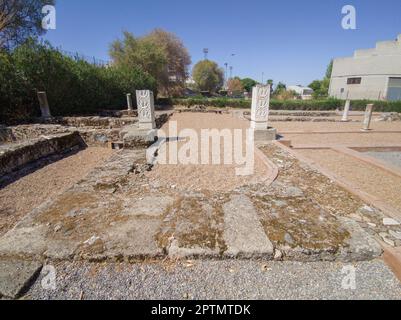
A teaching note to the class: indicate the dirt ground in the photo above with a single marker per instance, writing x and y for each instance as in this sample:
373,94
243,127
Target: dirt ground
347,139
20,197
334,126
208,176
369,178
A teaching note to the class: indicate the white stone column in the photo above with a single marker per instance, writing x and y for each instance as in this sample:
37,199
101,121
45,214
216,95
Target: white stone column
260,114
260,107
44,104
368,117
146,109
346,110
129,102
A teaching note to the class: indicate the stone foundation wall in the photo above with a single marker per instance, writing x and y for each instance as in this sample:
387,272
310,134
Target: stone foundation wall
95,122
14,156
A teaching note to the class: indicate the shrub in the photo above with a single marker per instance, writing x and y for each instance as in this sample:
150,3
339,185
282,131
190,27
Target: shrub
311,105
73,86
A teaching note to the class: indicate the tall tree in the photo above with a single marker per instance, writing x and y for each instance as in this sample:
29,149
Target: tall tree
19,20
235,86
279,88
329,70
321,87
208,76
139,53
172,79
160,53
248,84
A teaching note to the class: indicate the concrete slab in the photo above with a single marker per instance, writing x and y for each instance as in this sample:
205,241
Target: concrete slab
16,275
243,232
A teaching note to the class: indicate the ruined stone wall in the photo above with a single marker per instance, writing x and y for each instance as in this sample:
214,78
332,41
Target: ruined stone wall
14,156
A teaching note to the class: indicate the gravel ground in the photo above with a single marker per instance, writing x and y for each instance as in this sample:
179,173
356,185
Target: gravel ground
29,191
393,158
368,178
230,279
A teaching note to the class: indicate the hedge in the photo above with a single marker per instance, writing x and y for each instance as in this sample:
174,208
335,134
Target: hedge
73,86
312,105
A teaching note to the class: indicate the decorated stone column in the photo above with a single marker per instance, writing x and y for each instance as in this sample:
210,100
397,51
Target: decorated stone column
260,113
44,104
146,109
260,107
368,117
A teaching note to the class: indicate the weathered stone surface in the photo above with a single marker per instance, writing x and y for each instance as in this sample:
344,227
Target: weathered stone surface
152,206
386,238
269,134
174,250
360,246
31,242
16,275
134,137
390,222
17,155
395,234
133,239
243,233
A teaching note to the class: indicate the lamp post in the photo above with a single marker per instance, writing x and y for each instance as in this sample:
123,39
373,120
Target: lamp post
226,75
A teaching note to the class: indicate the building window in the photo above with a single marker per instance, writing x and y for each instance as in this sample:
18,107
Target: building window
354,80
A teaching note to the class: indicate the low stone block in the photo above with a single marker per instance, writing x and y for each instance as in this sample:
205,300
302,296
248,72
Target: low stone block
243,232
16,275
266,135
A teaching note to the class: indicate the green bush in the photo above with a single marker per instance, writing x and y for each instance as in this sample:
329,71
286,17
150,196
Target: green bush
311,105
73,86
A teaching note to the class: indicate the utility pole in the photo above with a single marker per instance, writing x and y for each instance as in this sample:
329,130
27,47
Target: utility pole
231,72
263,78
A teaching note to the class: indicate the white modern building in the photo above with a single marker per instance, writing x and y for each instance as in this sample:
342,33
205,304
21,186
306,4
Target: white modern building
373,74
304,93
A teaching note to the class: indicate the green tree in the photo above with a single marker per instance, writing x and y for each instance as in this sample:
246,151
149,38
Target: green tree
248,84
329,70
321,87
172,78
19,20
139,53
208,76
271,82
279,88
161,54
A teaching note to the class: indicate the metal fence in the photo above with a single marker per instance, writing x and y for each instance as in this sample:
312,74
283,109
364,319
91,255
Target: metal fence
92,60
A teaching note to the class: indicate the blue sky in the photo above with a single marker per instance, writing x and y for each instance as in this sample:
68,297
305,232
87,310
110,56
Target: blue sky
290,41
